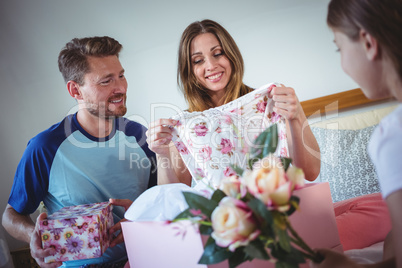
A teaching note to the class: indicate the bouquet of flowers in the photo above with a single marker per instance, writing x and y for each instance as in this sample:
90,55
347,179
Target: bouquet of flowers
247,217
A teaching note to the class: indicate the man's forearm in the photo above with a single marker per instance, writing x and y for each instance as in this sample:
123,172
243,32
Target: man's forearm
17,225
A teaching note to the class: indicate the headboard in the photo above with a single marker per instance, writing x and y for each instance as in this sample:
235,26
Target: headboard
345,100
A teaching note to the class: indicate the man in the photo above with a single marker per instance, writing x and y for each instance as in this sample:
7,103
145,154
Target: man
88,157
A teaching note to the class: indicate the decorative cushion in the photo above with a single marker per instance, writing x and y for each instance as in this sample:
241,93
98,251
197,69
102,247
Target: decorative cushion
362,221
210,141
356,121
345,163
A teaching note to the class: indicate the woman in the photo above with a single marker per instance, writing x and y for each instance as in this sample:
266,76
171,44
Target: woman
368,35
210,73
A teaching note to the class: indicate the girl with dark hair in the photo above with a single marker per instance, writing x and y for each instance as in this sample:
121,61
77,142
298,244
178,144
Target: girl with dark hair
368,35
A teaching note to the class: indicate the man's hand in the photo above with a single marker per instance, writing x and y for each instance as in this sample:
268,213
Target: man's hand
125,203
37,252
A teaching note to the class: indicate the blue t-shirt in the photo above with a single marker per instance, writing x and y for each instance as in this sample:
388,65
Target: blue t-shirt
65,166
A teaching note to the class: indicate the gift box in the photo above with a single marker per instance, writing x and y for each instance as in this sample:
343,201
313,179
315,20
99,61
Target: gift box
179,244
77,232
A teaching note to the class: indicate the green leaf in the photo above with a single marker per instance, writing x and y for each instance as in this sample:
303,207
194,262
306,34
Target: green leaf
205,230
296,256
265,143
184,215
239,171
284,239
218,195
238,258
213,253
286,162
196,201
294,203
260,211
251,162
256,249
291,259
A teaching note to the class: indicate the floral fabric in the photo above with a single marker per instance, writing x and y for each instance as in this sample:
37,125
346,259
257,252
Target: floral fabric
211,141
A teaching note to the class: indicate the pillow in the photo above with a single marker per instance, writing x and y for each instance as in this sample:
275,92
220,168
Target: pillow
345,163
211,141
356,121
362,221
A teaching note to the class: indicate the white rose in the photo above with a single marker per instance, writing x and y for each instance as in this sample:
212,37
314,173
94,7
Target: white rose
233,224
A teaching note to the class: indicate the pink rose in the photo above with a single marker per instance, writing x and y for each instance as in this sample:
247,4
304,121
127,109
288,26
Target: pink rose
275,117
284,152
233,187
181,147
226,146
271,87
237,111
296,176
229,172
199,174
205,153
227,119
233,224
261,106
282,135
200,130
269,183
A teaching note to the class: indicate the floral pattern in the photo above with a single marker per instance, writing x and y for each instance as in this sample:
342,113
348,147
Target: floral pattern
226,147
200,129
213,140
77,232
205,153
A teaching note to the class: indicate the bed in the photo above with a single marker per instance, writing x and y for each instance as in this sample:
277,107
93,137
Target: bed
342,124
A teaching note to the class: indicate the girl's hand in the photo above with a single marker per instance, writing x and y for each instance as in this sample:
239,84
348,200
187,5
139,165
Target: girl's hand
334,259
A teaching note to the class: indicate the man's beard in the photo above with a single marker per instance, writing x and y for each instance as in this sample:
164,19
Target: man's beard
102,110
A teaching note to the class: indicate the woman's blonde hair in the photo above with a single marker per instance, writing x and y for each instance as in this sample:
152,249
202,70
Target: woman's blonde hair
195,94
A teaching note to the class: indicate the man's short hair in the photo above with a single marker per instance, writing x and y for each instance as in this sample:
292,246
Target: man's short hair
73,63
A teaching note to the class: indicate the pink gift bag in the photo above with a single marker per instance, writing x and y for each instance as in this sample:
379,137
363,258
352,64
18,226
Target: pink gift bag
160,244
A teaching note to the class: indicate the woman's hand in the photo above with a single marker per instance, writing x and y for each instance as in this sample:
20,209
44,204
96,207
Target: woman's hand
303,146
286,102
159,136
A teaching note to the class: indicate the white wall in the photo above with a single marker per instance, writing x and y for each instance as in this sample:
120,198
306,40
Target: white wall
285,41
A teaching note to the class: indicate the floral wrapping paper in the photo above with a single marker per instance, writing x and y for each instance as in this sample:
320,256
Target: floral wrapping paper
77,232
209,142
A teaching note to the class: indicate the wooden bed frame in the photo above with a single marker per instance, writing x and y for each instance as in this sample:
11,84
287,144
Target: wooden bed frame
347,99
